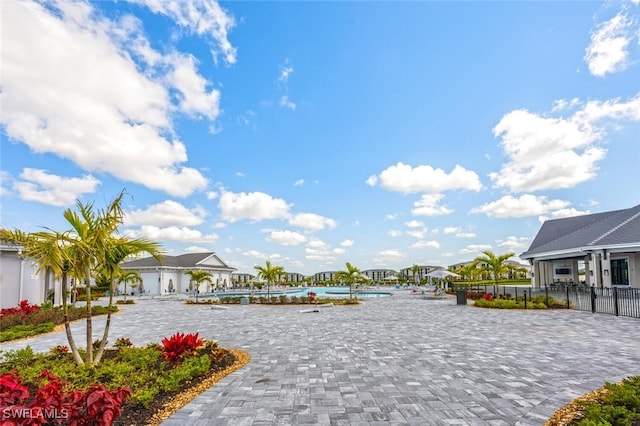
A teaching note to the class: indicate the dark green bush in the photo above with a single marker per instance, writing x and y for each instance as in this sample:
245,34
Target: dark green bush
25,330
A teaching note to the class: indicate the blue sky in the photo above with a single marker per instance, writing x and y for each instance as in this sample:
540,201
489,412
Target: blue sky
384,134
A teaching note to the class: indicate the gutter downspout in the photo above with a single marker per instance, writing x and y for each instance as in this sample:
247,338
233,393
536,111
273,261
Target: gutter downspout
21,281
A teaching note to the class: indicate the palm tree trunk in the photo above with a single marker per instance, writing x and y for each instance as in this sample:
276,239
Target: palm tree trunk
67,325
105,335
89,320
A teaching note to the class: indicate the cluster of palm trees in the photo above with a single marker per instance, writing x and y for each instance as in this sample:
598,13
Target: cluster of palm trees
91,248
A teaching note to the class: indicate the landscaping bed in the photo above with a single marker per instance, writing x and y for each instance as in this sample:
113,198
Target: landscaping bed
130,386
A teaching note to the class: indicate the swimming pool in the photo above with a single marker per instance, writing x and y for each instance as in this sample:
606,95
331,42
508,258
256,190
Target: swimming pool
337,292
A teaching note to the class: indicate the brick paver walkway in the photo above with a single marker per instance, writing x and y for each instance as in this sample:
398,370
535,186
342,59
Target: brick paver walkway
390,361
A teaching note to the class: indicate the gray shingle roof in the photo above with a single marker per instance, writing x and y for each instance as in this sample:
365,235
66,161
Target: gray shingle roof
189,260
611,228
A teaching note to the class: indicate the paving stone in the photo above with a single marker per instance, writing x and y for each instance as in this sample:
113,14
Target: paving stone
400,360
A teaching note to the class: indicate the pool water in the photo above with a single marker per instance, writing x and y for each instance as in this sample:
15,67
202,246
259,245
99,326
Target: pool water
337,292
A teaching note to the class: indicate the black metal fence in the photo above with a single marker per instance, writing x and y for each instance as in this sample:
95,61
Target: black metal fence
606,300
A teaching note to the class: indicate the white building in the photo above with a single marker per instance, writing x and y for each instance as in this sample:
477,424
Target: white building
19,279
168,276
605,246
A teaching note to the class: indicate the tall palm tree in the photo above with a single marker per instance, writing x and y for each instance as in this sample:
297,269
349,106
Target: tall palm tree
468,271
198,276
495,265
349,276
90,247
269,273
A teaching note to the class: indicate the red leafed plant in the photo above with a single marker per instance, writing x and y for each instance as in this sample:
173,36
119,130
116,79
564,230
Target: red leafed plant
180,345
488,297
51,405
311,295
24,308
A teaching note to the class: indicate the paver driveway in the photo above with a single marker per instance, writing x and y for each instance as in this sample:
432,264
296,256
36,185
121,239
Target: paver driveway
394,360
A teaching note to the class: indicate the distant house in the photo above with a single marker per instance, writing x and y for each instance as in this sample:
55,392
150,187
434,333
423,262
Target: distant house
604,246
169,275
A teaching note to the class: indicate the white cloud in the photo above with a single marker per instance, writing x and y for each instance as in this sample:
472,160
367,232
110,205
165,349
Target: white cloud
388,257
513,243
166,213
347,243
428,206
406,179
196,249
255,254
193,96
251,206
475,249
318,250
202,17
415,224
44,187
285,71
558,214
523,206
287,103
312,221
390,217
286,238
118,113
545,153
394,233
416,233
465,235
212,195
299,182
608,50
551,153
451,230
425,244
171,233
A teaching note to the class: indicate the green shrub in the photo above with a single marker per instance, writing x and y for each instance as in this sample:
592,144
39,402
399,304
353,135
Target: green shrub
28,330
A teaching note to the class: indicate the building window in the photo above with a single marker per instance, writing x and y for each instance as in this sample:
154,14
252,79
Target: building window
620,271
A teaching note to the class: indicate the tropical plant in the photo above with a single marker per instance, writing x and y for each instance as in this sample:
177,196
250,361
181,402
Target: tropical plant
494,265
91,247
469,271
197,277
132,277
269,273
416,270
349,276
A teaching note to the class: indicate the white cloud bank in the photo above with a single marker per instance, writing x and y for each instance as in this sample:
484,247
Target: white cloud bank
44,187
551,153
425,179
93,90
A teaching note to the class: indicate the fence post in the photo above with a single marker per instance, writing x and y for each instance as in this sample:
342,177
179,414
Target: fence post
615,300
546,292
525,298
516,294
593,299
568,301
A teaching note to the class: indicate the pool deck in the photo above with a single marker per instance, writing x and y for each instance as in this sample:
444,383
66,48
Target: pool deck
399,360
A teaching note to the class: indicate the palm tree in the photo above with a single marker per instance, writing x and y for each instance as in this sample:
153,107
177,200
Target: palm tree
468,271
416,269
198,276
269,273
48,250
494,265
125,278
90,247
349,276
